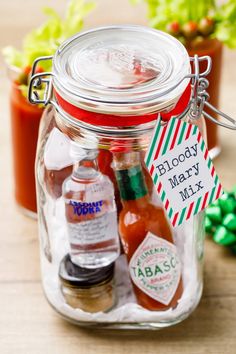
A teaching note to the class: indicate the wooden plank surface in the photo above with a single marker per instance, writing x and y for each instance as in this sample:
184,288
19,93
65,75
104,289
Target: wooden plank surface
27,324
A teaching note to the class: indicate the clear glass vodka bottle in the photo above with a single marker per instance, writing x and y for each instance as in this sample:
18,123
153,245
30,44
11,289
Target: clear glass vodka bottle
91,213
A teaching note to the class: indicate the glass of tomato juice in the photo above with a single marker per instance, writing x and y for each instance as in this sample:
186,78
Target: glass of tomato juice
25,119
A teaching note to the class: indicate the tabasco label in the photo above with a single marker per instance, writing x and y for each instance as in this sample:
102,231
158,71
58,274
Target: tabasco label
155,268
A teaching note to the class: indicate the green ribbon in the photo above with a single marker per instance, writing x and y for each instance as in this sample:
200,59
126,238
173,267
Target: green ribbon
220,220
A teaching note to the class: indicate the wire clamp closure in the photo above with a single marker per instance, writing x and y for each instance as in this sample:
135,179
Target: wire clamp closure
42,82
199,97
40,87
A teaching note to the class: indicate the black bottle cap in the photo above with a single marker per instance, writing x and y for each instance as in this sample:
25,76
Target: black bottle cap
80,277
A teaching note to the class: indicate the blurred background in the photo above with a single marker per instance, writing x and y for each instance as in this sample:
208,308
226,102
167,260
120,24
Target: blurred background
18,234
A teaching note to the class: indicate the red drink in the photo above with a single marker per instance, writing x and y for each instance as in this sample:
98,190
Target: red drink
25,120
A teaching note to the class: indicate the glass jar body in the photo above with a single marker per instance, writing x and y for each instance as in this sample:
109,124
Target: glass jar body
54,167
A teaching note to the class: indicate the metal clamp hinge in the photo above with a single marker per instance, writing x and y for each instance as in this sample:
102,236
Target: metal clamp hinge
40,83
199,97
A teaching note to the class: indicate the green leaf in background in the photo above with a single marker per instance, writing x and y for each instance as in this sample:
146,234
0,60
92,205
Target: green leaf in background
225,18
163,13
13,56
75,14
45,39
178,10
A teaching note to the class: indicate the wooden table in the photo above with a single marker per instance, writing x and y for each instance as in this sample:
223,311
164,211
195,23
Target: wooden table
27,324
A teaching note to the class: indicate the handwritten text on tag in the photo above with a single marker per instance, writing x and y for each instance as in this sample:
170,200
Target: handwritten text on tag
182,170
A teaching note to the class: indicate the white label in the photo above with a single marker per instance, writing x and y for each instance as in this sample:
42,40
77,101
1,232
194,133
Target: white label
184,173
155,268
95,230
182,170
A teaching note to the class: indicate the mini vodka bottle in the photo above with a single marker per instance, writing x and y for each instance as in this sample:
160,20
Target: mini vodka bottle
91,212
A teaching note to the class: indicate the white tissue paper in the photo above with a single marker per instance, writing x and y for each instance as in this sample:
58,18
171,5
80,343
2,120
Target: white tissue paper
126,309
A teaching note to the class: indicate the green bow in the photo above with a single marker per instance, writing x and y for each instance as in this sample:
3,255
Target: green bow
220,220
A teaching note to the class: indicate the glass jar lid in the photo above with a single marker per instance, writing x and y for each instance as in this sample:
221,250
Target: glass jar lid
121,70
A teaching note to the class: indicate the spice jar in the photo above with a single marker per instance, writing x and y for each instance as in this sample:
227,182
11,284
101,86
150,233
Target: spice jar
90,290
107,89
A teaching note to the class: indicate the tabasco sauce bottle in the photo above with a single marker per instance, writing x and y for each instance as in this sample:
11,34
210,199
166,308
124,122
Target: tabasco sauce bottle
154,264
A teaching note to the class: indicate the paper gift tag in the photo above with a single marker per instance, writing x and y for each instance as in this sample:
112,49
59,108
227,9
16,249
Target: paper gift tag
182,171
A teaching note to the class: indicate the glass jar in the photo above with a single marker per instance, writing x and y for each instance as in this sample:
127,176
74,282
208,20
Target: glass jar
93,188
25,119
